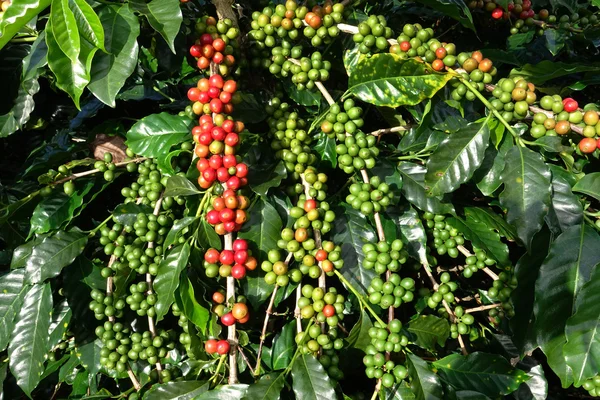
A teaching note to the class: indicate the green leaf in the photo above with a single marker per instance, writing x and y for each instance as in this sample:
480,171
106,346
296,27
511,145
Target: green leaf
53,211
165,162
284,346
400,391
488,175
88,23
12,293
163,15
358,337
206,236
453,8
582,350
249,110
264,228
167,278
310,380
53,253
190,306
527,191
20,113
569,264
17,16
64,29
177,229
544,71
555,40
126,214
29,343
571,5
184,390
256,289
227,392
456,158
589,185
61,316
482,236
307,98
89,355
514,42
424,383
492,220
352,230
180,186
72,76
156,133
413,188
566,209
110,70
325,148
489,374
261,181
413,232
351,57
268,387
388,80
429,330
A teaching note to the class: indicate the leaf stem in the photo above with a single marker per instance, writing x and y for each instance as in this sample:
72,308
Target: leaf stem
482,308
102,224
219,365
95,171
297,352
360,297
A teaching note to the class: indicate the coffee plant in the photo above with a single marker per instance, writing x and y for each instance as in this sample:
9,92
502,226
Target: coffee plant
313,200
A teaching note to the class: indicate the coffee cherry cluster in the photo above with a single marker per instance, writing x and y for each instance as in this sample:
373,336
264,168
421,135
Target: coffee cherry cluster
213,95
228,212
357,152
215,44
330,360
339,122
501,291
474,263
117,346
321,23
311,213
370,197
277,271
445,237
444,292
148,186
373,35
233,263
385,339
479,72
306,71
462,323
391,293
238,314
219,347
513,96
106,306
592,385
383,257
140,300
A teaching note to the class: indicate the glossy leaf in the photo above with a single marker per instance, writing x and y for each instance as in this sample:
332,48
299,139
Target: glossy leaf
401,391
263,229
527,271
17,16
561,277
388,80
21,111
589,185
546,70
268,387
89,355
163,15
489,374
184,390
413,188
488,175
177,229
413,232
53,253
64,29
53,211
72,76
566,209
256,289
249,110
429,330
180,186
482,236
492,220
453,8
359,335
308,98
227,392
351,230
527,191
456,159
167,278
310,380
196,313
29,342
325,148
110,70
156,133
263,180
206,236
12,293
61,316
425,384
284,346
582,349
